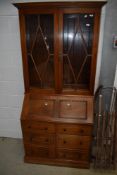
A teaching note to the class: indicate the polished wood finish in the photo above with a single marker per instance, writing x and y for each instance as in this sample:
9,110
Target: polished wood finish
73,109
49,108
73,142
66,144
38,127
72,4
73,129
72,155
59,42
42,107
72,69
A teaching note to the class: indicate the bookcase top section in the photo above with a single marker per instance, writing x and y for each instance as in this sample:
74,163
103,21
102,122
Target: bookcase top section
69,4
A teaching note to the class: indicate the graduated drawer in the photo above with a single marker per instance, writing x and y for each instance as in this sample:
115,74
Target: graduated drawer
73,142
34,151
74,129
42,107
73,155
40,140
38,127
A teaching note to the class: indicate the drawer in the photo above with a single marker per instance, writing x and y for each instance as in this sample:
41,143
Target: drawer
34,151
41,107
73,109
73,155
40,140
38,127
74,129
73,142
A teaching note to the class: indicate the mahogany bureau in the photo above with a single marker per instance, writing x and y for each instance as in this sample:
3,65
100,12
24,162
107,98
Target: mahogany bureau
59,42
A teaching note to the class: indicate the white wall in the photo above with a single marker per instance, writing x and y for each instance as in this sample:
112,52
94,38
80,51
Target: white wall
100,48
109,53
11,78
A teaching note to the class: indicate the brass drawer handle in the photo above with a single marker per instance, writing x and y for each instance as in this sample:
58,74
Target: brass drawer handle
68,104
45,104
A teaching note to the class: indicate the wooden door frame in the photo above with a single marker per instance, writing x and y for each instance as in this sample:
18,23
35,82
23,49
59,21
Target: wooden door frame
22,14
96,13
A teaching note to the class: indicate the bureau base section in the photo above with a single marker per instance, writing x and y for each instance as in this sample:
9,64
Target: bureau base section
57,162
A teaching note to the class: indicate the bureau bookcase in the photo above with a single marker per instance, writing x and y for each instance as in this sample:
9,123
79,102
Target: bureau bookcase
59,42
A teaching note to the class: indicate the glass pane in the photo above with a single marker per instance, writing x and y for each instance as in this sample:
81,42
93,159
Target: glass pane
40,48
77,49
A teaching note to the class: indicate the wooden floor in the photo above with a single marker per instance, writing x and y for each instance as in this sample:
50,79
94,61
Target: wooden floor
11,163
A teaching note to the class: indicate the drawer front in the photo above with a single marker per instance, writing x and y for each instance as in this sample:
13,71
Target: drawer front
38,127
74,129
73,142
72,155
73,109
33,151
39,140
41,107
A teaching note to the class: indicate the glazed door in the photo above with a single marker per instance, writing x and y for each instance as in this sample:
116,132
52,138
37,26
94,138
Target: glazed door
76,42
40,50
61,49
